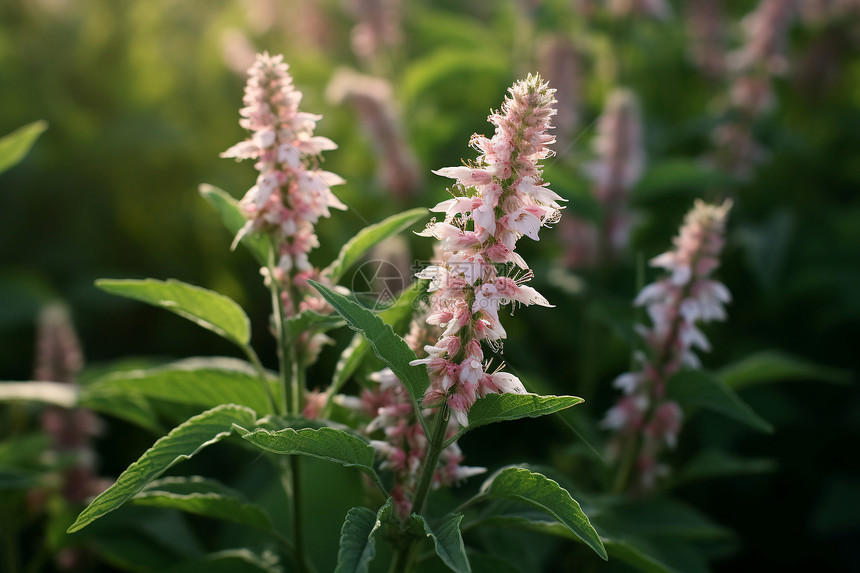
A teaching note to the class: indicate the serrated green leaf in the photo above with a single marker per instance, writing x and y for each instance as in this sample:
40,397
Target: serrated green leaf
52,393
544,494
358,540
772,366
700,388
129,406
203,496
15,146
181,443
503,407
209,309
389,347
355,248
447,540
228,209
328,444
398,316
204,382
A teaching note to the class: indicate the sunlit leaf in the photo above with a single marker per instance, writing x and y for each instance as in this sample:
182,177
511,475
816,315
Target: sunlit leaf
211,310
389,347
371,235
503,407
544,494
228,209
51,393
15,146
205,497
328,444
181,443
204,382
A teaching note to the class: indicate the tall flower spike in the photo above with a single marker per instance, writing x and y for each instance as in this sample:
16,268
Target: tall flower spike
292,192
676,305
618,167
496,200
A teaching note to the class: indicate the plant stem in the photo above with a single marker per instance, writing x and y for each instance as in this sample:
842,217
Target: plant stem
258,366
434,449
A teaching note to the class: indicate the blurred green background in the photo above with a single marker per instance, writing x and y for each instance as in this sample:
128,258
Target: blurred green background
141,97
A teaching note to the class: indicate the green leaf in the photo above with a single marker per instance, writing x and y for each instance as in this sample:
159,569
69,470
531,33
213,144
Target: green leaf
129,406
228,209
447,540
16,145
357,538
12,478
398,315
657,517
211,310
204,382
231,561
772,366
502,407
700,388
544,494
389,347
311,321
328,444
181,443
353,250
203,496
52,393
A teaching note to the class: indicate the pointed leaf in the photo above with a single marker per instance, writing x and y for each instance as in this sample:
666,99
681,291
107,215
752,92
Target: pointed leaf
204,382
398,315
389,347
15,146
358,538
205,497
233,219
129,406
700,388
327,444
211,310
501,407
368,237
181,443
544,494
447,540
53,393
771,366
718,463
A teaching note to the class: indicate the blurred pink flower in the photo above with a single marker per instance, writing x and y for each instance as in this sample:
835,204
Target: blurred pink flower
677,303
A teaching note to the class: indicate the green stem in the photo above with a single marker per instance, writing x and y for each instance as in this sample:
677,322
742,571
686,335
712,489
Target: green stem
264,380
434,449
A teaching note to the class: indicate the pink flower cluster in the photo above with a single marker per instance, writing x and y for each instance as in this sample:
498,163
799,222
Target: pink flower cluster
292,192
497,199
405,445
676,304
